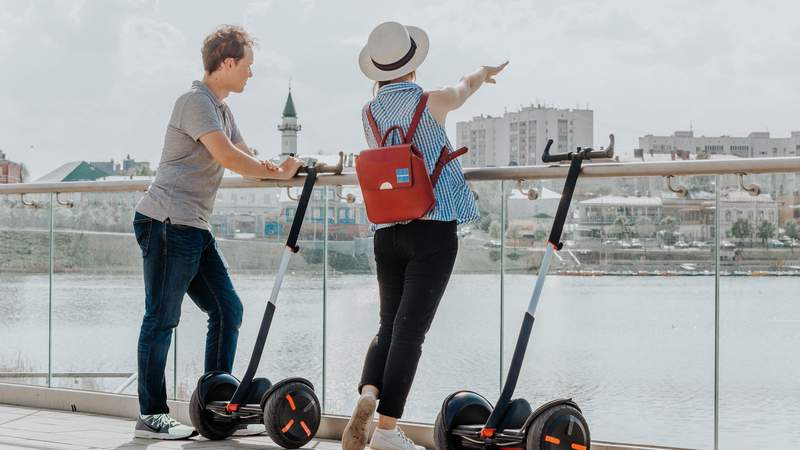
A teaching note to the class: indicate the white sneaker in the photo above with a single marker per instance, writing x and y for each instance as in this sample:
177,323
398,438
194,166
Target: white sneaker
355,433
392,440
250,429
161,426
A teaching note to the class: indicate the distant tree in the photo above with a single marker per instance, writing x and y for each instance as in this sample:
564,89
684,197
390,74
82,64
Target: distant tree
766,230
791,228
26,175
742,229
624,225
669,225
494,229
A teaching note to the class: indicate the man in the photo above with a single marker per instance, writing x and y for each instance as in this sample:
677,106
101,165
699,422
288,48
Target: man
171,225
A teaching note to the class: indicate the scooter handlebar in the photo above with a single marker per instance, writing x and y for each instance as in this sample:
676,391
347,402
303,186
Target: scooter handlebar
320,167
582,153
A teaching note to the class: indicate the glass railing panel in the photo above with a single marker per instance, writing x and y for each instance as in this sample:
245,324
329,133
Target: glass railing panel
759,317
98,292
460,350
251,226
24,288
625,321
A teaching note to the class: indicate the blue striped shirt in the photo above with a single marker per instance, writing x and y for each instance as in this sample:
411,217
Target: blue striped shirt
394,105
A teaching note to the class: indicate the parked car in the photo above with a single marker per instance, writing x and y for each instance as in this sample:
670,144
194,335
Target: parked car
494,243
727,244
681,244
636,243
774,243
698,244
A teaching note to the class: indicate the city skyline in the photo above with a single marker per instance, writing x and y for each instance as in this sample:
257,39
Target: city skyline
100,78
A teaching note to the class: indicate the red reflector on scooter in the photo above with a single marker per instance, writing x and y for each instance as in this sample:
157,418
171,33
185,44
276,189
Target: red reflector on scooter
487,432
231,407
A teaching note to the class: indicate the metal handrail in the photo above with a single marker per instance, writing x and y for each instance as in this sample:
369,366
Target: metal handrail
540,172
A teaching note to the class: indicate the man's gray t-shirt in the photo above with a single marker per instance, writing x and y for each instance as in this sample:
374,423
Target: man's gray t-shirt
188,177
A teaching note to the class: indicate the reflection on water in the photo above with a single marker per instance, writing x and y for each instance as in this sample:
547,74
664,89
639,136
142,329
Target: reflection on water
635,353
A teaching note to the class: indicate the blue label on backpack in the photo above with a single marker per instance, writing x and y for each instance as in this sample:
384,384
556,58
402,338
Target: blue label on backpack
402,175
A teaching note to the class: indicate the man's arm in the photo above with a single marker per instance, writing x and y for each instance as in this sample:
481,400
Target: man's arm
234,158
242,145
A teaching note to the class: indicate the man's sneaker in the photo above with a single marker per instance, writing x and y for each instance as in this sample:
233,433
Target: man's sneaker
161,426
392,440
250,429
355,434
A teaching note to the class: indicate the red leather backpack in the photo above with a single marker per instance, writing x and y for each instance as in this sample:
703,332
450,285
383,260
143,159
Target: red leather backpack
394,180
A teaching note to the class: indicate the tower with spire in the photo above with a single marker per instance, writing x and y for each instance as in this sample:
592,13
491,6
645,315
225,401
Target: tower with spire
289,127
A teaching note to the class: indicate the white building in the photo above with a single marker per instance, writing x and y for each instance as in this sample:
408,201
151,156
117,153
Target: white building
519,138
756,145
737,204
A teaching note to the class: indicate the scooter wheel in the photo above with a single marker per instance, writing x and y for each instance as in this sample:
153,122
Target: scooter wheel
560,427
204,421
442,438
292,414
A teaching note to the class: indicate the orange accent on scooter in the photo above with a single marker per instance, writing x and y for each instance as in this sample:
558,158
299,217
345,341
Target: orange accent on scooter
487,432
305,428
578,447
552,440
291,402
231,407
288,425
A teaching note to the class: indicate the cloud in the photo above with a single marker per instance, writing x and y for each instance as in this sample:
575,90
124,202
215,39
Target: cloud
257,8
356,41
98,79
148,46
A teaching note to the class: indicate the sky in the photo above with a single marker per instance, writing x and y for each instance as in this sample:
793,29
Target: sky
96,80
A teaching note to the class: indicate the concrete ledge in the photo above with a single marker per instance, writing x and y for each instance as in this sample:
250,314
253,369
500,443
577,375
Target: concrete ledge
127,406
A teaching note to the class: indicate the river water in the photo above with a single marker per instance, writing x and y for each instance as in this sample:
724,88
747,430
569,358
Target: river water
636,353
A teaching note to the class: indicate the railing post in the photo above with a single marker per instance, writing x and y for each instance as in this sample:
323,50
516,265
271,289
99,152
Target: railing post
324,288
503,204
717,214
50,301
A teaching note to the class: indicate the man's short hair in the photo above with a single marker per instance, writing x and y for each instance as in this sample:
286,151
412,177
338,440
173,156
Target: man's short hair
227,41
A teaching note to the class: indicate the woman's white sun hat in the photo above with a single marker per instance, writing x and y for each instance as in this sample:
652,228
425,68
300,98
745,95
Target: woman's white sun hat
393,50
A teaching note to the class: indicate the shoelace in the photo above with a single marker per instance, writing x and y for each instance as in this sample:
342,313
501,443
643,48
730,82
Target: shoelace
159,420
405,439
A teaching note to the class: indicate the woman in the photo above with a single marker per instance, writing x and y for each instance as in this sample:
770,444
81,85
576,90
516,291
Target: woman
414,259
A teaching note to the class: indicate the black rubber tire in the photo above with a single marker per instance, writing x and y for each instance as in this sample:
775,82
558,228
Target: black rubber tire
443,439
204,423
534,435
278,412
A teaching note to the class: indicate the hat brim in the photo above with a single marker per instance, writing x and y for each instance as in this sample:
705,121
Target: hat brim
373,73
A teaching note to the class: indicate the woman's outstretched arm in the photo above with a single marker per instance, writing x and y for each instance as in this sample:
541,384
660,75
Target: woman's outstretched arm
442,101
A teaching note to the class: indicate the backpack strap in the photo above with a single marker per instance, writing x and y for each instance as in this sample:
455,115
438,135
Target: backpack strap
423,100
376,132
444,159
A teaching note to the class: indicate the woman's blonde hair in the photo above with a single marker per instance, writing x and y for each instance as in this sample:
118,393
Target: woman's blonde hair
410,76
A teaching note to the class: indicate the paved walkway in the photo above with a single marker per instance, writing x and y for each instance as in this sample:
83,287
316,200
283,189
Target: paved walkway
27,428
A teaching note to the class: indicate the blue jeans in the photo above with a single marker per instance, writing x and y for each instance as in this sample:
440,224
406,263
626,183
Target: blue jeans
181,260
